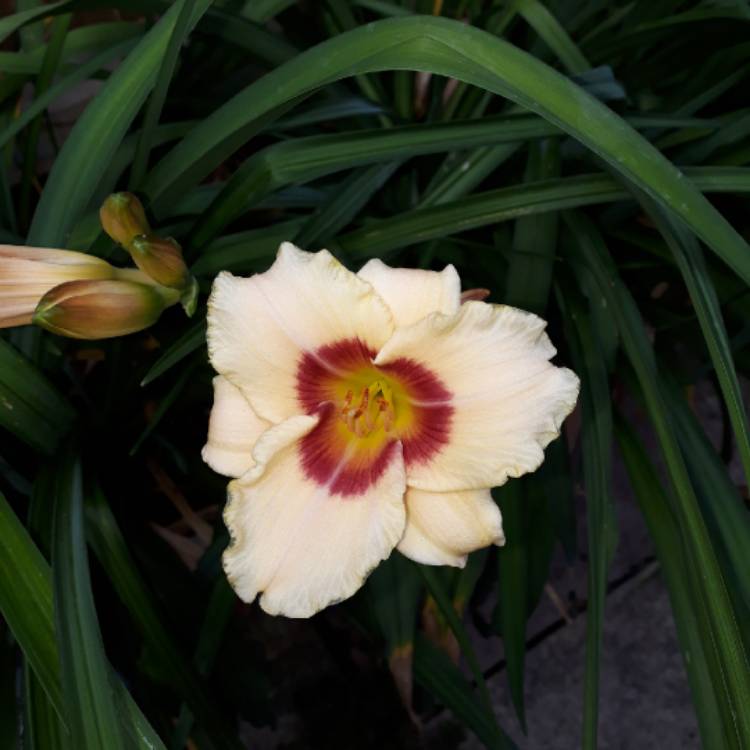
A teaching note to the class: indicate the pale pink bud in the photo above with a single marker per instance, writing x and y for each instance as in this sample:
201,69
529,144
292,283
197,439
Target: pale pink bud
28,273
101,309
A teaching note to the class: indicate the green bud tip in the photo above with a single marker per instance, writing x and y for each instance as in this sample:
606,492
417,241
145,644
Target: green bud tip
123,218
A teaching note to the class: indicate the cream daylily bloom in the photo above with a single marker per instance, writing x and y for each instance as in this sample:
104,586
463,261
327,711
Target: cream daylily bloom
28,273
362,412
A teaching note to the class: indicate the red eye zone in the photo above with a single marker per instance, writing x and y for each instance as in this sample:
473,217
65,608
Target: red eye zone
364,411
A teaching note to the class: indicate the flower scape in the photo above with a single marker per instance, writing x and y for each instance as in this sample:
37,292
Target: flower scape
362,412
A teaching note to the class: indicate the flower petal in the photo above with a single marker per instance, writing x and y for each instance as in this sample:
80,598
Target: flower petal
412,293
17,309
233,430
47,267
260,327
293,540
443,527
508,400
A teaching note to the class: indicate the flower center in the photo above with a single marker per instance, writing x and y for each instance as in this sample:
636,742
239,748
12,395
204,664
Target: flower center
365,413
373,410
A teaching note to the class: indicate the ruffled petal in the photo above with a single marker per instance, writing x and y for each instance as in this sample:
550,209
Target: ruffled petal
507,401
259,328
292,539
233,430
411,293
443,527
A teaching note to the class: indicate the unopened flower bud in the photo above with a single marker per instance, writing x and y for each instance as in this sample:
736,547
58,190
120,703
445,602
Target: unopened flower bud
123,218
101,309
160,258
28,273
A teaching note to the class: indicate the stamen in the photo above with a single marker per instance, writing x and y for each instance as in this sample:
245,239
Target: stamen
348,400
364,402
371,412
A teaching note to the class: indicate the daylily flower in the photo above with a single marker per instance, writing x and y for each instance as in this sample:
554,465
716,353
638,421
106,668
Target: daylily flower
362,412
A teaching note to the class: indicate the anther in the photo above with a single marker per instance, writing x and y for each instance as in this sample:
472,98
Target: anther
363,419
347,400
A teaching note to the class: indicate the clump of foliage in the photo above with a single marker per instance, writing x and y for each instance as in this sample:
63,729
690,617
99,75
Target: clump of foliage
580,160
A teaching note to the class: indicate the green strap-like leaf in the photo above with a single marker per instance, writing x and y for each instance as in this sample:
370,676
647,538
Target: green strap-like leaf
245,252
513,605
193,338
76,45
732,674
301,160
98,132
464,52
17,20
527,286
354,193
654,505
394,591
164,405
86,680
690,261
156,101
50,62
383,236
215,621
435,672
445,605
26,601
111,550
30,406
529,276
553,34
8,707
596,438
720,499
65,83
42,728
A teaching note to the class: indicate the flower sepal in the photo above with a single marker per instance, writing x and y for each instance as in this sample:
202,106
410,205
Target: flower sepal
189,299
